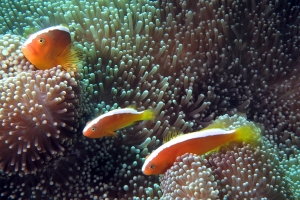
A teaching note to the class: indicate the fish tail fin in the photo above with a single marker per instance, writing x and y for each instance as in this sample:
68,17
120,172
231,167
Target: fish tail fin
148,115
249,133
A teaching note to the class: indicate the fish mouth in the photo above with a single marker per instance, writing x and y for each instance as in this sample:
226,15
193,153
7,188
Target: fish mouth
29,48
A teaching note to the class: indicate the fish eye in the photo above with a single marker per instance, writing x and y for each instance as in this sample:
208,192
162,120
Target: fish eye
152,166
41,40
94,128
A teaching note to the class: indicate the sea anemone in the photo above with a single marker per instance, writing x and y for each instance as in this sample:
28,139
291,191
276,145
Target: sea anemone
39,118
292,172
190,61
189,178
236,171
245,172
12,60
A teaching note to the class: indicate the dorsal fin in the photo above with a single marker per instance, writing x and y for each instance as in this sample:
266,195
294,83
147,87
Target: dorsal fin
65,25
216,124
225,121
173,133
132,106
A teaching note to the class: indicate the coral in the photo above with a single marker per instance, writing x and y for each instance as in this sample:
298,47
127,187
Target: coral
191,61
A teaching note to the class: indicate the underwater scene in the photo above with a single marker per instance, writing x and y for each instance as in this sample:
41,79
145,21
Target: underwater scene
150,99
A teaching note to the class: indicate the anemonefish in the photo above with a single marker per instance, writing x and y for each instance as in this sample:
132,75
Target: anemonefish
50,47
200,142
108,123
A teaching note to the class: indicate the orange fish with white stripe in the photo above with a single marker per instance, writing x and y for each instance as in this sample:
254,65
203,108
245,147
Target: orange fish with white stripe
200,142
108,123
50,47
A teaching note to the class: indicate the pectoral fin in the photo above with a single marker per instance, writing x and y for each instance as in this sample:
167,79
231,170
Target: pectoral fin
111,134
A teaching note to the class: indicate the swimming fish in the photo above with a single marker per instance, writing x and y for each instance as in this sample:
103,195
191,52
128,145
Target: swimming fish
106,124
200,142
50,47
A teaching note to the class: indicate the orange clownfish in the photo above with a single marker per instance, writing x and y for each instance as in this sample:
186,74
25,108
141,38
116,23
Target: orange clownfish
106,124
200,142
50,47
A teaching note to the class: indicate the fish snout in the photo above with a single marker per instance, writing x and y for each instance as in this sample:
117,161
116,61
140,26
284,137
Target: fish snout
28,50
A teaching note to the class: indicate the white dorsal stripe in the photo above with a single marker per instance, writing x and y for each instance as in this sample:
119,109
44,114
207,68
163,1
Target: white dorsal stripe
111,113
33,36
186,137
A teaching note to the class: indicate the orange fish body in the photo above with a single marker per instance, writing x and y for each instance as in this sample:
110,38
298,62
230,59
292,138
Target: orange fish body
106,124
198,143
51,47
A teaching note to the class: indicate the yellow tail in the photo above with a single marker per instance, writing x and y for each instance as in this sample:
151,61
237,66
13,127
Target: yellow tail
249,133
148,115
